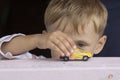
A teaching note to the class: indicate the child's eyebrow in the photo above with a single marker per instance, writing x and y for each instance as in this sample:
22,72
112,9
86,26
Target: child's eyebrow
82,42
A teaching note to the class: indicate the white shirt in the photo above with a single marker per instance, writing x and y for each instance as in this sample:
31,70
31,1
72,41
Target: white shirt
8,55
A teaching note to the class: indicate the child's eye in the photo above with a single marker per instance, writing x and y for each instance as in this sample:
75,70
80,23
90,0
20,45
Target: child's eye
81,45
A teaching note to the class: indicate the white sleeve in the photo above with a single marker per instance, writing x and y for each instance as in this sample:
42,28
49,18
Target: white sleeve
8,55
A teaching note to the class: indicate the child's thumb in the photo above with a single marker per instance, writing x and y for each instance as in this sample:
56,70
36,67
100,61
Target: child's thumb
44,31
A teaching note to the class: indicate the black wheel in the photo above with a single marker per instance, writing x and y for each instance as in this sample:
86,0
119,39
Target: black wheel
65,58
85,58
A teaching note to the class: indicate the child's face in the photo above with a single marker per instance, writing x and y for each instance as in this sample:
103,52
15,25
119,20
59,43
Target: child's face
86,40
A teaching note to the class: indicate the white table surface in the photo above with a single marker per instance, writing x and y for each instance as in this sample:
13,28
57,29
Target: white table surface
97,68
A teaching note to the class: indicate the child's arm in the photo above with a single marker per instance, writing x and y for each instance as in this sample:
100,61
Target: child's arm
9,55
19,44
56,41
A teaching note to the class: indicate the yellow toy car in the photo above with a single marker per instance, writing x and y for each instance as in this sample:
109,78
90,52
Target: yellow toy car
78,55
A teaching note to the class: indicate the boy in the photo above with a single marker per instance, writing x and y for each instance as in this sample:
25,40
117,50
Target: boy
69,24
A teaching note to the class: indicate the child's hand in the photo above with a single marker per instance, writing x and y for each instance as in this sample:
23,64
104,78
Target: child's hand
58,42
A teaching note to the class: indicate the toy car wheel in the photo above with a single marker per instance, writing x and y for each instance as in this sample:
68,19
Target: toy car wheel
66,58
85,58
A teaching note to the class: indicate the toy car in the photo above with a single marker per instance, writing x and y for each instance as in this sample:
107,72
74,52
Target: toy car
78,55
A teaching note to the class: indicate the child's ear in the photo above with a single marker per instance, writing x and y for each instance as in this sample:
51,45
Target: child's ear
100,44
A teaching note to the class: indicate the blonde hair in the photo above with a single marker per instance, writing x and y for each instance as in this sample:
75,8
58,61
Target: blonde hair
79,12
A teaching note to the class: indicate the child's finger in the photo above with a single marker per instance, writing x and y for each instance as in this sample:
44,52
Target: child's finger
70,41
62,47
65,46
57,50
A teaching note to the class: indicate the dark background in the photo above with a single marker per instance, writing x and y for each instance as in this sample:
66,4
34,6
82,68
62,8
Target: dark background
27,17
112,47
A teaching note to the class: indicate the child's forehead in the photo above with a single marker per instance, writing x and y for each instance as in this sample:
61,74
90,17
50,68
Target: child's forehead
74,26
